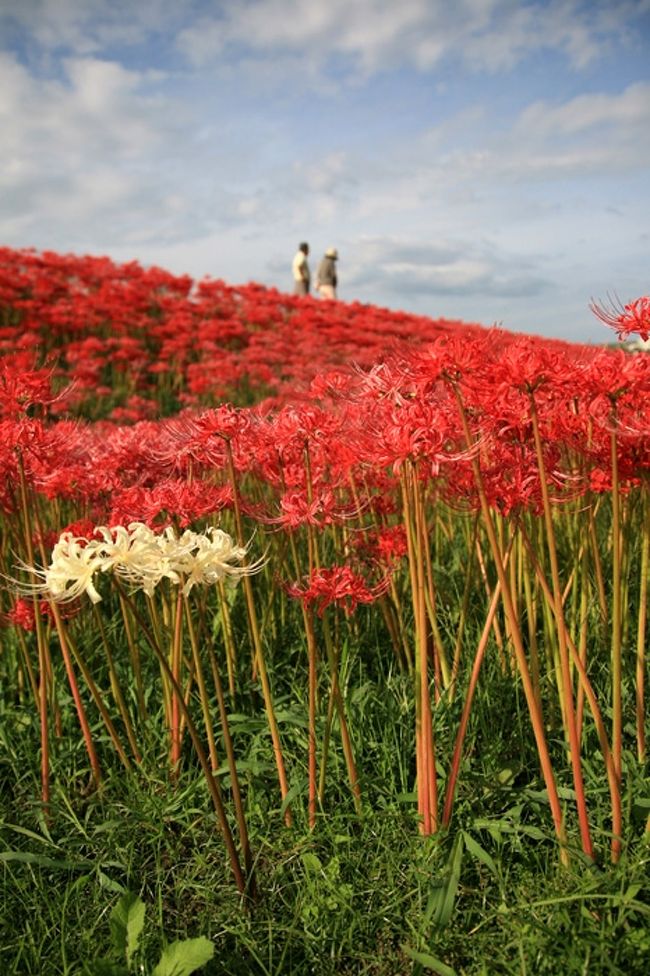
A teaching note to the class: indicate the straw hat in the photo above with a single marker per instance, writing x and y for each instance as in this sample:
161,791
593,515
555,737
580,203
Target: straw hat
331,252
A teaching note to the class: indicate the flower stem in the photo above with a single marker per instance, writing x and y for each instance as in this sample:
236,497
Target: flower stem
536,717
74,688
566,683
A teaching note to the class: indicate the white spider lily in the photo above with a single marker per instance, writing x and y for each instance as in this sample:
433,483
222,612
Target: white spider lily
74,564
213,558
137,555
140,557
70,573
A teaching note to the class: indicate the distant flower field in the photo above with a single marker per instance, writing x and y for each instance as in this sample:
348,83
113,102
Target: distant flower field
211,495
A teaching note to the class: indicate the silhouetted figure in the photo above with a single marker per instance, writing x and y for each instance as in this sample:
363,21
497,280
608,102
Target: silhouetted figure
326,279
300,269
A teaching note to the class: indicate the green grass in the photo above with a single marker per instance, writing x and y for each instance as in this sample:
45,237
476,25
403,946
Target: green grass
353,896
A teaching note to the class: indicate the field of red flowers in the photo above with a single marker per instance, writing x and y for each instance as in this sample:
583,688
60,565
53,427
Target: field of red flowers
462,494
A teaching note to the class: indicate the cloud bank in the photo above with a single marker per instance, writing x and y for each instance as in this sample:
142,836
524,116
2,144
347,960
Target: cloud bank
482,160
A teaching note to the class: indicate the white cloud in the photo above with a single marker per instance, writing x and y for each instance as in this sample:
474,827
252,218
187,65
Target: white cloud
467,217
87,27
628,111
368,35
485,35
81,149
600,134
456,267
494,178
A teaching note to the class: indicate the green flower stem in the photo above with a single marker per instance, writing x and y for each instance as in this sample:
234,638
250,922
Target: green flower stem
200,681
134,654
176,662
258,653
29,667
565,672
229,644
155,639
598,565
583,606
536,717
336,701
211,781
616,655
74,688
45,671
498,636
641,628
312,706
97,698
116,688
227,739
422,553
590,695
467,706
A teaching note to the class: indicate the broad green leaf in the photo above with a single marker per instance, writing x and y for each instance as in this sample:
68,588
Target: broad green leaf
533,832
184,957
311,862
27,833
565,793
479,853
107,882
631,893
291,718
406,797
127,922
430,962
295,790
42,861
441,903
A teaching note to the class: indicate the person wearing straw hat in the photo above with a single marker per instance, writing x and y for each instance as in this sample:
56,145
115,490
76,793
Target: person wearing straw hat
300,270
326,279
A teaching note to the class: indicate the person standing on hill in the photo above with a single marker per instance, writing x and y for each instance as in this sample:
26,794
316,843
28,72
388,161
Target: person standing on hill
300,269
326,279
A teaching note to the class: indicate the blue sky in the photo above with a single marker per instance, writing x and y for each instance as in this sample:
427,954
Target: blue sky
486,160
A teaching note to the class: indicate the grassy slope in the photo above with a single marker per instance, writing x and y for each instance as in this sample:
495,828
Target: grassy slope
351,897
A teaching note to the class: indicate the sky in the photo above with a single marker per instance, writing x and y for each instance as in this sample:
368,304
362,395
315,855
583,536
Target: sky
482,160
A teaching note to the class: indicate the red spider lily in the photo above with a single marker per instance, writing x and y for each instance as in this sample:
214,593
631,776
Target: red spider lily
366,421
384,547
82,528
217,337
197,442
22,615
173,501
626,320
135,409
22,387
296,509
59,463
616,400
338,585
415,430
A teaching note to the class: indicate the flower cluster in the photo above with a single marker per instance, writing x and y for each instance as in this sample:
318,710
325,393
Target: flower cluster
133,343
141,558
628,319
339,585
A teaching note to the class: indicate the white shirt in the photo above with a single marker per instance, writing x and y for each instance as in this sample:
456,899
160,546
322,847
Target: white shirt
300,267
